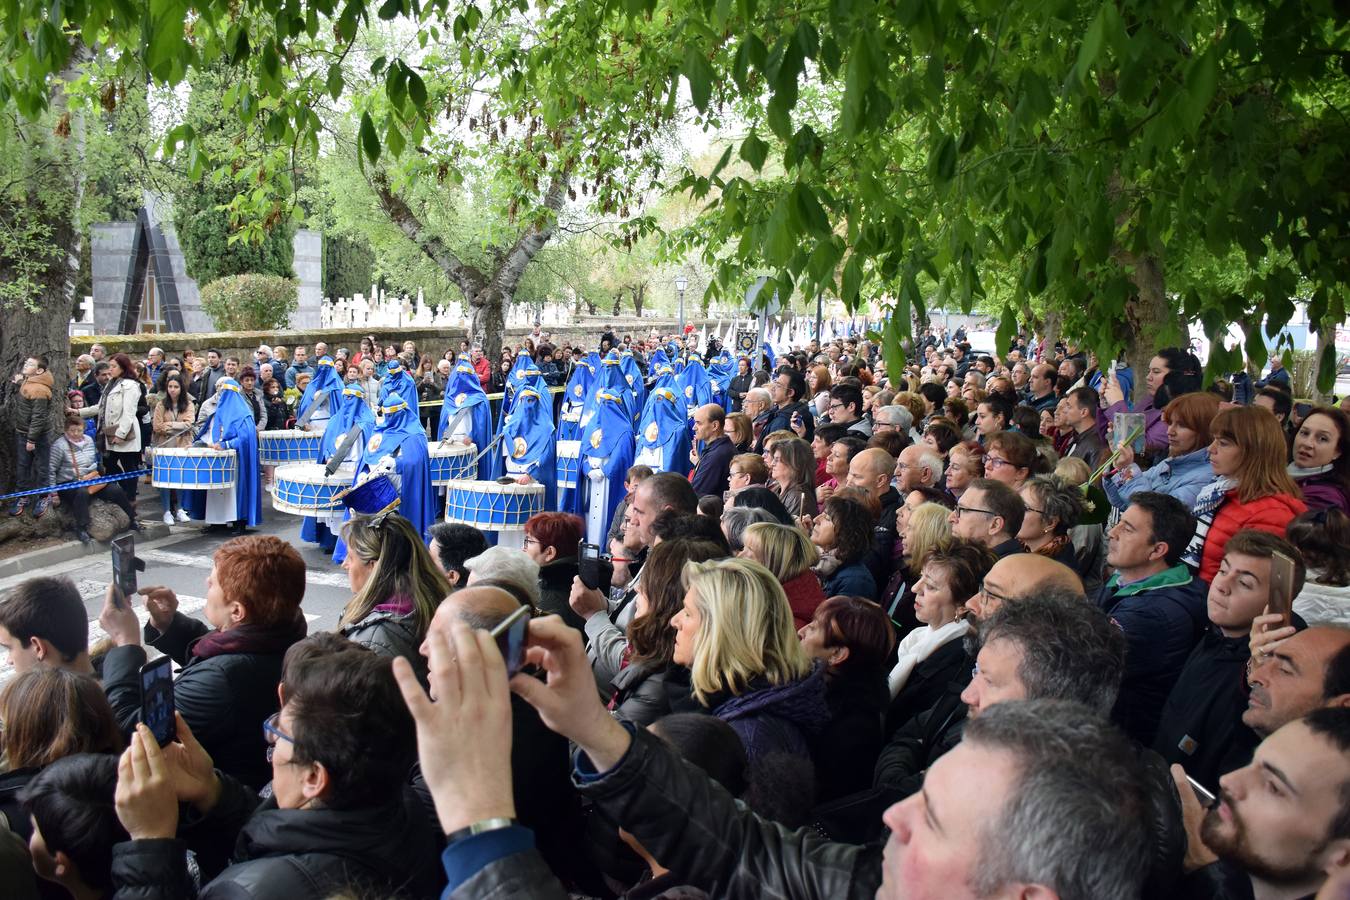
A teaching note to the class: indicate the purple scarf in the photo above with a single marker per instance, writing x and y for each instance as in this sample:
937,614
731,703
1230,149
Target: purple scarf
250,638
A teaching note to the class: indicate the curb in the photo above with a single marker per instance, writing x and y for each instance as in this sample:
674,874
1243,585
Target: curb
69,552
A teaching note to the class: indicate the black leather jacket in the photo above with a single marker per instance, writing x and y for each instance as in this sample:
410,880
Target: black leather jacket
696,829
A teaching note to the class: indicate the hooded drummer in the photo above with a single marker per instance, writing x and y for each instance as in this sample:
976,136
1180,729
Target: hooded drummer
527,452
466,417
231,427
320,399
663,434
351,425
606,454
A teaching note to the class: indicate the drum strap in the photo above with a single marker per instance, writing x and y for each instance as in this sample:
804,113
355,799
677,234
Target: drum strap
344,447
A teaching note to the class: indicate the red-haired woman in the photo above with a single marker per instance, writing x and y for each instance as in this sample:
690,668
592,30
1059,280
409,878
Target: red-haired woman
551,539
230,671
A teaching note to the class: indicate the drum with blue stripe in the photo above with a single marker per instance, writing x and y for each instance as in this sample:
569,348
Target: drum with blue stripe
304,489
452,462
569,453
193,468
491,506
288,445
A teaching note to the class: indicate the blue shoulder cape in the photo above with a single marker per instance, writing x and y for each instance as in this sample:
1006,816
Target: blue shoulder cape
664,428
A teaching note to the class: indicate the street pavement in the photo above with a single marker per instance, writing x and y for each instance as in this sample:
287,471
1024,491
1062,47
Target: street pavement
181,562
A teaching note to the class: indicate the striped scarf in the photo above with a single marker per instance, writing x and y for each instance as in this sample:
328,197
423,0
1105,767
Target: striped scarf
1207,504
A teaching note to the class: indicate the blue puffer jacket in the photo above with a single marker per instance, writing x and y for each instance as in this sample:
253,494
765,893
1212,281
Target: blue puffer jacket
1181,477
1163,617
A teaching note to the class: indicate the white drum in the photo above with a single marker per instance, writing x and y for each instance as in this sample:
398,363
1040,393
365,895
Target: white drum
303,489
193,468
288,445
451,461
490,506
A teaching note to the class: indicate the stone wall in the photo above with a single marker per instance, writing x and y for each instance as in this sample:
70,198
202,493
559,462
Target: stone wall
586,331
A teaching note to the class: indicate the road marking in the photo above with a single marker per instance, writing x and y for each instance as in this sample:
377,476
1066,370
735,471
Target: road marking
171,558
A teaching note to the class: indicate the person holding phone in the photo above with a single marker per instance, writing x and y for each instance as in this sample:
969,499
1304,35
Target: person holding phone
231,666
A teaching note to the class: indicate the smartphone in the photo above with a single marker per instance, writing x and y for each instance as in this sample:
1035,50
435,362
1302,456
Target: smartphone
1302,409
157,699
594,569
1281,585
1202,793
510,635
124,563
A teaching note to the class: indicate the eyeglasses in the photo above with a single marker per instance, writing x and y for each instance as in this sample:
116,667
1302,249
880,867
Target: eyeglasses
272,734
1039,512
960,510
994,462
1001,598
531,539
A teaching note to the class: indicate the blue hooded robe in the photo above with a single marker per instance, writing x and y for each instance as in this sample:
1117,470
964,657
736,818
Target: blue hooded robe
574,399
663,435
465,392
607,451
613,380
633,375
528,442
232,427
695,385
325,381
656,360
401,434
398,381
721,369
352,409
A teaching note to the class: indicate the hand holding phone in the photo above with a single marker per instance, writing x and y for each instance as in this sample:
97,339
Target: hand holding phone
1282,586
157,699
594,570
510,636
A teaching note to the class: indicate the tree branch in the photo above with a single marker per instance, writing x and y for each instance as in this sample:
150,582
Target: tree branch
529,244
468,279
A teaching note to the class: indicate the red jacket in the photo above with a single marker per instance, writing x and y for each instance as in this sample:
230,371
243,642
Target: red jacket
483,369
804,594
1271,513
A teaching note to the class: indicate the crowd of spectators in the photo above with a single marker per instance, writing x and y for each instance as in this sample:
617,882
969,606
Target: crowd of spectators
940,632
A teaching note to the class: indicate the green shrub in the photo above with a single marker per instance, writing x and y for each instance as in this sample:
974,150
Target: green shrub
204,234
250,302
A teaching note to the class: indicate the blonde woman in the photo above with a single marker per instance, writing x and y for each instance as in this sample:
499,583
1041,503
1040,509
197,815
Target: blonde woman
746,665
396,584
789,555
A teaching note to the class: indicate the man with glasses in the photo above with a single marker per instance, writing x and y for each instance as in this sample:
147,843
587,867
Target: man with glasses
990,513
757,405
340,811
787,389
918,466
846,405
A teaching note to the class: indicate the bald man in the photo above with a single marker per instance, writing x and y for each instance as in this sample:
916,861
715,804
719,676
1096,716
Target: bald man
919,466
541,769
871,471
1018,575
712,474
1294,676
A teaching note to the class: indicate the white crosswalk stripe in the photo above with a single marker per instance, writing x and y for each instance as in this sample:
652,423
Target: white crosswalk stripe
171,558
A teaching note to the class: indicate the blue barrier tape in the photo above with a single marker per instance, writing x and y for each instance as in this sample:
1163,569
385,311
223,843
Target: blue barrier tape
71,485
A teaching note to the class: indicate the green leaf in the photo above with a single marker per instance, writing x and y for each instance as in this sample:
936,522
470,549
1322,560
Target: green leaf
942,160
780,237
1326,364
1092,44
700,74
851,282
417,89
858,73
334,83
893,340
809,210
370,141
394,141
390,9
1202,77
722,162
754,151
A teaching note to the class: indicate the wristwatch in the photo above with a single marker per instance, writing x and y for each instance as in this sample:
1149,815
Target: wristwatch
480,827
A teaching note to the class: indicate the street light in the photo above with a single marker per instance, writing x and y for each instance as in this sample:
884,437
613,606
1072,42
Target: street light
680,284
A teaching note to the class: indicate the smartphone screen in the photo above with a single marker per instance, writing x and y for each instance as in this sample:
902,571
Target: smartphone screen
157,699
1202,793
124,563
510,636
1281,585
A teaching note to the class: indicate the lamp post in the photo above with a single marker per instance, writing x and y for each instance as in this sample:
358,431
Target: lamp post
680,284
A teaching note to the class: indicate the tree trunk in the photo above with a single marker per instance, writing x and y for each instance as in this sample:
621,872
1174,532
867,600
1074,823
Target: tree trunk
618,302
487,322
639,298
1149,320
